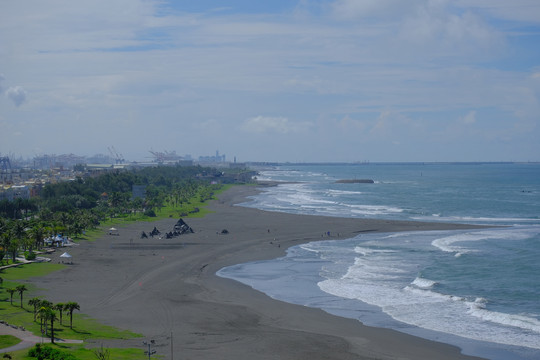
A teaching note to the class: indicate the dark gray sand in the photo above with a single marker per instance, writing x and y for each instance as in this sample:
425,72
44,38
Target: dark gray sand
158,287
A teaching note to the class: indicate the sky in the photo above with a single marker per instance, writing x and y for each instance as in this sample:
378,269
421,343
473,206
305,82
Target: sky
280,80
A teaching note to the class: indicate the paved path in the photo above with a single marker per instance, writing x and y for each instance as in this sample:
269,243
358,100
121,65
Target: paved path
27,339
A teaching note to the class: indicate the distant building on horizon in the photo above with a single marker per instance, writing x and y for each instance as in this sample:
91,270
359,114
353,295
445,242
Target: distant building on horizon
15,192
212,159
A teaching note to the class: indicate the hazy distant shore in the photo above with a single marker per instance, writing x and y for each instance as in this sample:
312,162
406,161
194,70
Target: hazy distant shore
158,287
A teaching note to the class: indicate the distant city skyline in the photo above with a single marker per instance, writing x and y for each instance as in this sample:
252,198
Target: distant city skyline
116,157
276,81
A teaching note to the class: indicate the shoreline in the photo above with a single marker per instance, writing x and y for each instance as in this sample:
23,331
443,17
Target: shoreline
164,287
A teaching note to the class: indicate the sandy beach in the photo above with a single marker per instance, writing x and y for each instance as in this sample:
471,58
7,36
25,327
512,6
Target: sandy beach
163,287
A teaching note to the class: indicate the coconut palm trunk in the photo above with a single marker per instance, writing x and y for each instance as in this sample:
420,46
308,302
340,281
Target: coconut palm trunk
11,292
71,306
60,308
21,289
52,317
35,303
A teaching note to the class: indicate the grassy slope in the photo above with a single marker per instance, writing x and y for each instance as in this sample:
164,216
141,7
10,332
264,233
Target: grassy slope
8,340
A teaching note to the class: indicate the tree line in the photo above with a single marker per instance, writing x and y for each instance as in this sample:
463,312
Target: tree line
71,207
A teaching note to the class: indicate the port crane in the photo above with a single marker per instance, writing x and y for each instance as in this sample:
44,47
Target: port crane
118,158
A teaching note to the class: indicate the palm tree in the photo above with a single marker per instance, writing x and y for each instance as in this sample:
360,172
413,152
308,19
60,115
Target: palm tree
52,317
42,313
6,238
11,291
38,235
12,249
21,289
46,314
60,308
46,303
64,218
70,307
35,302
19,229
2,252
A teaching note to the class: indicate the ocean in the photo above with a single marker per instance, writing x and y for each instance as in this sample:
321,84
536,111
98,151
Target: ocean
475,289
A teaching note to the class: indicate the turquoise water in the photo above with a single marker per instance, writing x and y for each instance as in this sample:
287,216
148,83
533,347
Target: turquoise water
477,289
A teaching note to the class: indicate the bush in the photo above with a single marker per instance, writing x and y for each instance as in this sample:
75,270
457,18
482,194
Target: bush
29,255
46,352
150,213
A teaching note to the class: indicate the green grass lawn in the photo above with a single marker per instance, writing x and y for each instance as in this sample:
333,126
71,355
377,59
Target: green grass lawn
82,353
84,327
8,340
167,211
26,271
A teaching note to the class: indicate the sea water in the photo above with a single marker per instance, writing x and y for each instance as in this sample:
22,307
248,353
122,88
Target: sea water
476,289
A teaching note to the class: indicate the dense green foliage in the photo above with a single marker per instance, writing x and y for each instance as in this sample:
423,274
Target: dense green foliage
46,352
17,208
72,207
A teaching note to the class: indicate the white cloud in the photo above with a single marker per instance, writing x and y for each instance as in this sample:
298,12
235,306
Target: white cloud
131,65
515,10
267,124
347,124
392,124
420,30
469,119
351,9
16,94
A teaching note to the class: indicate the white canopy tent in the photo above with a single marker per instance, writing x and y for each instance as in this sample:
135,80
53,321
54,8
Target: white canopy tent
67,256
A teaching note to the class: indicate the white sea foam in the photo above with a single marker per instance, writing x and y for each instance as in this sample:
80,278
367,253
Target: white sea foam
369,251
475,220
434,311
448,243
309,248
424,283
373,209
334,192
383,277
477,309
394,235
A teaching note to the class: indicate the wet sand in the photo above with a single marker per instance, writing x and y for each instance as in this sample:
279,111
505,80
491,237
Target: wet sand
163,287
